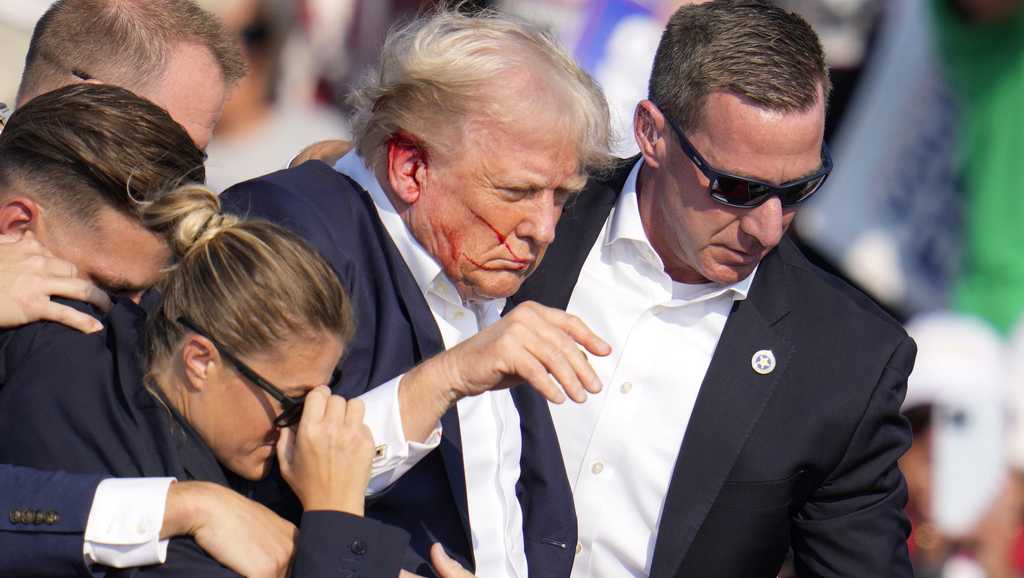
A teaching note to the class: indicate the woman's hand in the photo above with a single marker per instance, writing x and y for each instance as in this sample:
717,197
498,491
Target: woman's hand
30,275
239,533
326,459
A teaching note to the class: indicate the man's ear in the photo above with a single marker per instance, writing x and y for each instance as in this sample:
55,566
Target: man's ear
201,361
648,128
18,215
408,163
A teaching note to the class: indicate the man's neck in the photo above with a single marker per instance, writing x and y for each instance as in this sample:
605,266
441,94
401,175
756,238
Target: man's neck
650,217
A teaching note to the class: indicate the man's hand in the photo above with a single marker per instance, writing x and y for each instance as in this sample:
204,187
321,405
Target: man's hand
237,532
445,566
328,151
327,460
30,275
531,344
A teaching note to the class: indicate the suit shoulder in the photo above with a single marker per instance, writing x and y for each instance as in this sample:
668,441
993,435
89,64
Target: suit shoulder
846,305
305,190
31,341
312,200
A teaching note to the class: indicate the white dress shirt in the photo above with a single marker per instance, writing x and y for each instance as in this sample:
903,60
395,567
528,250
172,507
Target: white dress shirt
489,423
123,529
620,447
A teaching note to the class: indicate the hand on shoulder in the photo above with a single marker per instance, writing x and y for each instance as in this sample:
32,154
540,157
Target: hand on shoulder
30,276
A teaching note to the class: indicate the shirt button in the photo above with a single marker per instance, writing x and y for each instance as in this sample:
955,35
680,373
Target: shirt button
626,387
579,547
458,314
597,468
358,547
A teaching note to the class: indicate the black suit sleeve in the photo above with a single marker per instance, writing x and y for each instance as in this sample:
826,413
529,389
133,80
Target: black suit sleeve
56,407
853,524
335,544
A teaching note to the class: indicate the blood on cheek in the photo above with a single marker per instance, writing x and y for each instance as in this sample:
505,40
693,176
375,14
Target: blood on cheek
502,239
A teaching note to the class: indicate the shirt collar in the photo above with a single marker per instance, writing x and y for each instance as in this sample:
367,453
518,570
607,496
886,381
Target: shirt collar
424,268
625,218
624,224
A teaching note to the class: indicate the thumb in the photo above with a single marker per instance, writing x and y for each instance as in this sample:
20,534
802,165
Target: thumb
285,448
444,565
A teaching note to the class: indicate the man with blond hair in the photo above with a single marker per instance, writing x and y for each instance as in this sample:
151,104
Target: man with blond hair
171,52
448,201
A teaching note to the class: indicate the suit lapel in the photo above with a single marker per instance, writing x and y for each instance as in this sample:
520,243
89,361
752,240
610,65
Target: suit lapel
428,343
731,400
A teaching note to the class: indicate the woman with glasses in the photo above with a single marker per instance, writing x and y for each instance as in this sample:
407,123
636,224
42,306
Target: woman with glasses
240,353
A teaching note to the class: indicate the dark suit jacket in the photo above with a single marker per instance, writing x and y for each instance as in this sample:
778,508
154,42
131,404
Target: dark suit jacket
39,547
395,330
803,457
77,402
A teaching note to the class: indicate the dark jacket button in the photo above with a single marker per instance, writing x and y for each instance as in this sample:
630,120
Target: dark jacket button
14,516
38,517
358,547
52,518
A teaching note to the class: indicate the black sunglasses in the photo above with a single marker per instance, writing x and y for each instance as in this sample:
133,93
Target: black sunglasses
291,411
747,193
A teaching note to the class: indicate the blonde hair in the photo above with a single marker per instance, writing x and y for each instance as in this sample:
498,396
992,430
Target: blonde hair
125,42
250,284
441,71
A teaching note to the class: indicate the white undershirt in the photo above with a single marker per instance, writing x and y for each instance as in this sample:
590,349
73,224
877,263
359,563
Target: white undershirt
620,447
489,423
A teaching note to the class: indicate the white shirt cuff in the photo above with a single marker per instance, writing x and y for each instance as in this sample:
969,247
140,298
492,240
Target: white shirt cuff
395,454
124,524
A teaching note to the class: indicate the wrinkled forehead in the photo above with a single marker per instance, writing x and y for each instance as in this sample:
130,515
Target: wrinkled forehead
528,155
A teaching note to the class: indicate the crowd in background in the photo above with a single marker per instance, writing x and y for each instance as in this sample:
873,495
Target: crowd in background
923,210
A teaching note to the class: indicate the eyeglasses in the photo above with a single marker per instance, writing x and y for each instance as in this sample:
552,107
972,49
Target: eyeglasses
747,193
291,407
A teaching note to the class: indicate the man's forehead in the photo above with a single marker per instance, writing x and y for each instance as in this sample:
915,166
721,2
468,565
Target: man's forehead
538,165
522,177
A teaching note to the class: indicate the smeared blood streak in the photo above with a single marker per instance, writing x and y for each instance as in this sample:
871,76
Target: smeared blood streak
454,239
478,265
502,239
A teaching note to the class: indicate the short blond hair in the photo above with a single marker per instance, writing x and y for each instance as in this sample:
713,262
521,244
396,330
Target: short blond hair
445,69
123,42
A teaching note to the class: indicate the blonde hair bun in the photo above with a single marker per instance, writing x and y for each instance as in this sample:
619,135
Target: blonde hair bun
190,218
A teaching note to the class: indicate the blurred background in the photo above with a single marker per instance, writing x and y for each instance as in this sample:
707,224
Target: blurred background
924,211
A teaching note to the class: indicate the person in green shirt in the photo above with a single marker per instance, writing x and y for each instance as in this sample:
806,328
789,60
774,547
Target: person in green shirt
981,43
